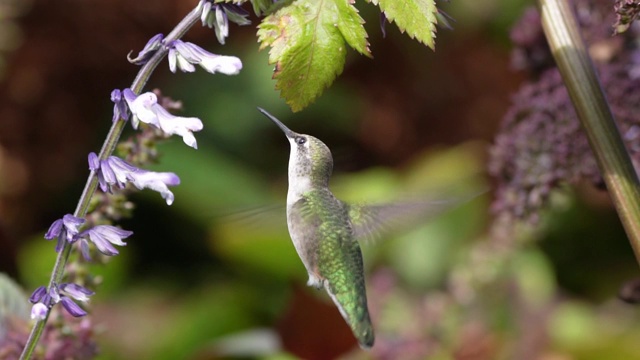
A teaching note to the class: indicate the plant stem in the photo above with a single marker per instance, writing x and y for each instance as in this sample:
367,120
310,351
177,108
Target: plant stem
108,147
578,73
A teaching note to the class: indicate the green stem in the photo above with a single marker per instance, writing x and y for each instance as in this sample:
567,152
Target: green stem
579,76
108,147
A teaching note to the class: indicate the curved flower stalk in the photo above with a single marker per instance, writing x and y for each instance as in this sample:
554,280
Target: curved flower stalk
112,173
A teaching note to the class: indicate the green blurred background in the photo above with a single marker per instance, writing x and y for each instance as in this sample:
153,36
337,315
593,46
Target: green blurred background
196,283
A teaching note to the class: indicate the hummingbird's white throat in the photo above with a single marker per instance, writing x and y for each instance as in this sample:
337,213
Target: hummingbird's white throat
299,180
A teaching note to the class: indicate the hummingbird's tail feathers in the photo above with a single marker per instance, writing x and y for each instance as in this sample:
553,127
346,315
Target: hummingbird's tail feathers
371,222
353,308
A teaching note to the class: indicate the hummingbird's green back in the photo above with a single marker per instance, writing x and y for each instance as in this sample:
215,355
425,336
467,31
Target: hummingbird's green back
339,260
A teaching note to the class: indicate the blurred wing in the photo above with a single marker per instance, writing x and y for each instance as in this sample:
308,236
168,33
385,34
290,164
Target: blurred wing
254,217
371,222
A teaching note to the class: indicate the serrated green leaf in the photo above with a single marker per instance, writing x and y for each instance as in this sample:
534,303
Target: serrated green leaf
415,17
351,26
260,6
307,40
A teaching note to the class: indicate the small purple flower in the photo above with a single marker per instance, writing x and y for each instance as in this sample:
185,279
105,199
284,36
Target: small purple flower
217,16
39,311
37,294
76,291
221,24
145,108
183,55
68,291
120,110
43,300
115,171
71,307
140,106
147,52
64,229
103,236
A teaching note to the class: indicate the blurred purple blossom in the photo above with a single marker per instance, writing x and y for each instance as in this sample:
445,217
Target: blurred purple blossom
541,144
627,11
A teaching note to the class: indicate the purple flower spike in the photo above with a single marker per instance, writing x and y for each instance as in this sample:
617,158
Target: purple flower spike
103,236
120,110
72,308
147,52
39,311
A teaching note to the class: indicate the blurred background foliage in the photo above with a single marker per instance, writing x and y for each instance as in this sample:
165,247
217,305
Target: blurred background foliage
200,281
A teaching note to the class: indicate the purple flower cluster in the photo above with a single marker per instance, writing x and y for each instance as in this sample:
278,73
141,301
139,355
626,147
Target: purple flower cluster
541,144
65,293
66,230
115,171
627,11
102,236
217,16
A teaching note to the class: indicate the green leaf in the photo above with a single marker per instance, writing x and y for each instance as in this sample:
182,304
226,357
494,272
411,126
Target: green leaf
307,40
416,17
351,26
260,6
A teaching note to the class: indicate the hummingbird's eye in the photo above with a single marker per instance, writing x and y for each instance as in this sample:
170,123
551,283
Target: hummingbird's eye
301,140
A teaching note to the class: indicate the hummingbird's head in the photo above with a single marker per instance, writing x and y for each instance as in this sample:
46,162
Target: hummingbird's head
310,158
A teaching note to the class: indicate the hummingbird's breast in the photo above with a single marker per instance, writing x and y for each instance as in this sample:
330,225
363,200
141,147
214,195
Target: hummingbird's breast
314,218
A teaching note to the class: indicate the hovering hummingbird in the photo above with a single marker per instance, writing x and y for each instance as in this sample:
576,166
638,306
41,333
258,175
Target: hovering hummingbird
325,230
323,233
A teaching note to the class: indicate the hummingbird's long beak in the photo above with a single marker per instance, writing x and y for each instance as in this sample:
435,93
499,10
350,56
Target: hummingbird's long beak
285,129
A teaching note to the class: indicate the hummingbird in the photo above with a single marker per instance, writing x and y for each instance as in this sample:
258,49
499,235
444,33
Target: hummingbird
323,233
326,231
